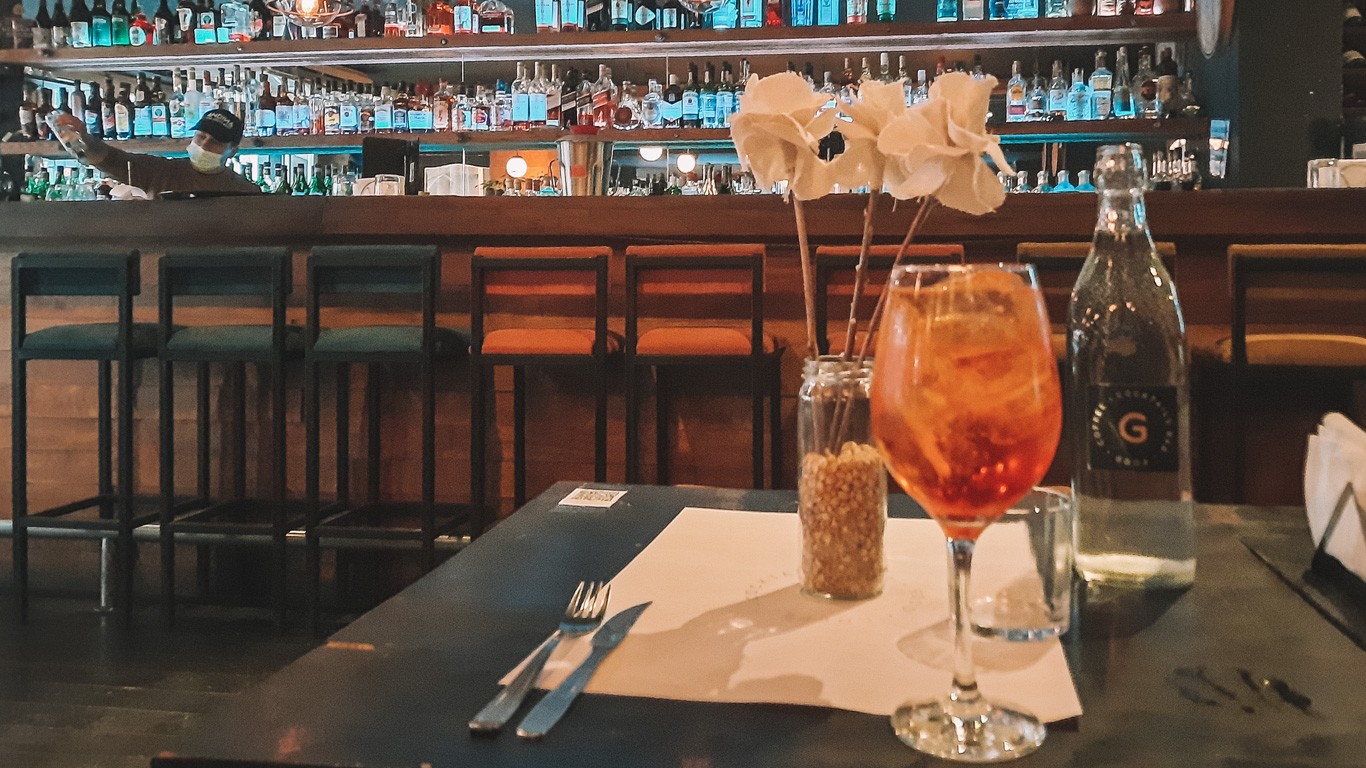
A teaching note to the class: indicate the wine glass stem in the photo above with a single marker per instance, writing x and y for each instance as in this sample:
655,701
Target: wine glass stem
964,675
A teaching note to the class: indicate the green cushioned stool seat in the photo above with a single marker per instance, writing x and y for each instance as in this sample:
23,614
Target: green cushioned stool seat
367,339
232,339
92,338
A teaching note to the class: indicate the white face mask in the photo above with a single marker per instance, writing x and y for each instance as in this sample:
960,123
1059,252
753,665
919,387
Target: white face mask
205,161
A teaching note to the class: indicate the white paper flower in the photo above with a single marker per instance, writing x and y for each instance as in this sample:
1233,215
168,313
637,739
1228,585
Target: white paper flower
777,131
936,148
877,106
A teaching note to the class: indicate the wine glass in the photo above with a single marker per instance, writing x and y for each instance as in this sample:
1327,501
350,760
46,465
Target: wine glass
966,413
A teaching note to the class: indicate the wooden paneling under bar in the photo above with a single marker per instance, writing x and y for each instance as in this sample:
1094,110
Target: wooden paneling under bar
869,38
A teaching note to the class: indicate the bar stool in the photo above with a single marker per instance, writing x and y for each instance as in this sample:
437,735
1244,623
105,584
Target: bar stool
1305,303
567,275
218,274
336,274
836,266
123,341
690,274
1058,266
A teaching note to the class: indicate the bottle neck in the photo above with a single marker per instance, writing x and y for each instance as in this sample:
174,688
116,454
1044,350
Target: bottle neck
1122,212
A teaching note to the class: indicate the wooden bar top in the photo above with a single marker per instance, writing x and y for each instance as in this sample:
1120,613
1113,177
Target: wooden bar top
1252,215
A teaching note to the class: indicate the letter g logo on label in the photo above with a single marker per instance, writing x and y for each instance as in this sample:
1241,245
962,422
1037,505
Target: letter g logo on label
1133,428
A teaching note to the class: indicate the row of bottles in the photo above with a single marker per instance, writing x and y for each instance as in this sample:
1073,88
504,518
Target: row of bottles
125,23
979,10
1019,183
538,97
1152,91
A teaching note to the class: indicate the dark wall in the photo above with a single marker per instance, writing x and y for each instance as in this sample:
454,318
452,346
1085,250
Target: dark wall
1280,82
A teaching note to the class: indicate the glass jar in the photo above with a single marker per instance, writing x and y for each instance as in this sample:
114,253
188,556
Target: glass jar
841,483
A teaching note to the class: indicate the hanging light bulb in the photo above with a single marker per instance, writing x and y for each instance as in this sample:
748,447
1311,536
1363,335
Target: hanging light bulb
686,162
516,166
651,153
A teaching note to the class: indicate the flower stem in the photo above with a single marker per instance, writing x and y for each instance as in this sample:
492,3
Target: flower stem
861,271
808,280
916,223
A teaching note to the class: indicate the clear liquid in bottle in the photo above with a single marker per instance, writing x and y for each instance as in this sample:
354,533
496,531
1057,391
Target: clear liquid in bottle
1129,397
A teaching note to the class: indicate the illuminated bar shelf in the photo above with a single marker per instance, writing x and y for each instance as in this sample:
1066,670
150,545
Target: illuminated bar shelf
1010,133
602,46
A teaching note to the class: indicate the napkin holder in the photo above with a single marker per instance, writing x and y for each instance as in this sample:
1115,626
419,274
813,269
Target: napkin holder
1328,566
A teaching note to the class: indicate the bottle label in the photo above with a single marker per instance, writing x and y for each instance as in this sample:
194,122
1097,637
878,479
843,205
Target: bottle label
725,105
621,11
690,105
521,107
350,118
79,36
93,124
123,124
284,117
142,122
204,36
384,118
400,117
331,120
464,19
827,12
1133,427
137,36
536,109
161,126
265,122
546,11
672,112
420,120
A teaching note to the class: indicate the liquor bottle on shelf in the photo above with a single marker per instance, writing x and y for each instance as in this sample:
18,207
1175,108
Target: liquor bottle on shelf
1056,9
538,98
365,111
751,14
706,100
1036,104
1079,98
1064,182
393,26
402,108
619,14
547,15
554,98
973,10
464,20
604,97
284,110
100,33
440,18
141,31
1144,89
123,114
521,99
725,97
300,182
1058,90
61,26
42,27
94,110
160,111
626,115
672,107
495,18
206,25
651,104
884,11
109,110
572,16
801,13
773,13
691,107
441,108
1123,86
1041,184
265,113
1022,9
1102,89
1130,391
725,16
1084,182
946,10
28,106
501,115
1016,95
164,30
827,12
118,23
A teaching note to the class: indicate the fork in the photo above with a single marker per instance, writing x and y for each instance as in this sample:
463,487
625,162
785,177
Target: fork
583,614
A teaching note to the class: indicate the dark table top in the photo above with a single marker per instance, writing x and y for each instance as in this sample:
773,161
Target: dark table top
1237,671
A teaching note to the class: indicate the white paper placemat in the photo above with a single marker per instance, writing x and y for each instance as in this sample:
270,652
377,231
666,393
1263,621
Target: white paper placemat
729,624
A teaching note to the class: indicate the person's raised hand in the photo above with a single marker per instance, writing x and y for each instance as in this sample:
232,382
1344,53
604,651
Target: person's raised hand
70,122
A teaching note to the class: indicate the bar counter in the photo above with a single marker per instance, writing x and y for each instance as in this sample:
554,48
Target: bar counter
1201,224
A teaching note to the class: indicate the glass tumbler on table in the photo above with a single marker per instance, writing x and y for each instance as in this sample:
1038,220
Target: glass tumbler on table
967,412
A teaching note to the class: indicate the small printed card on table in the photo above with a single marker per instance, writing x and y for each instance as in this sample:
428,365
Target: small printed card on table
601,498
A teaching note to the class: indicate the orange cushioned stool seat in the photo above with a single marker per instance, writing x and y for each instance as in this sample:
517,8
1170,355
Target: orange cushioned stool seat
569,286
679,291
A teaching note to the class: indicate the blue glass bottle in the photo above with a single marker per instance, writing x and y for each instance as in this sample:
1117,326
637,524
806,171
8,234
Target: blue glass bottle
1022,9
946,10
801,13
827,13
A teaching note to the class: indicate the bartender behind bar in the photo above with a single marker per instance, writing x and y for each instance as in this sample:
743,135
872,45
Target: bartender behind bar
216,137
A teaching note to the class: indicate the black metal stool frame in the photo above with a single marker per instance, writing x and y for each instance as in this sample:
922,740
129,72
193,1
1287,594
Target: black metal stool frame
481,365
765,367
340,270
261,272
57,274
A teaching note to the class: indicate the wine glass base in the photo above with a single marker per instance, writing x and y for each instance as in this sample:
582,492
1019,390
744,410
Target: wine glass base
968,733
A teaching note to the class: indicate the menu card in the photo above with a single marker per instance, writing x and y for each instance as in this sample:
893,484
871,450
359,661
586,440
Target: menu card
730,624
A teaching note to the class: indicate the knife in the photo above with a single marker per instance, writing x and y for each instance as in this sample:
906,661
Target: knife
550,709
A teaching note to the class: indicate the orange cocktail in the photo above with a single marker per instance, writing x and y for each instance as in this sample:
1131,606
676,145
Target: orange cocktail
966,412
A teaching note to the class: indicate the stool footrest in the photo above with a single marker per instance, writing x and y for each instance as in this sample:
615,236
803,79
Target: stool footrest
391,520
